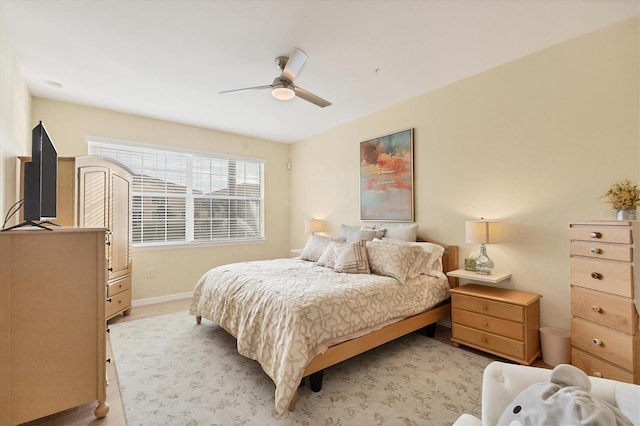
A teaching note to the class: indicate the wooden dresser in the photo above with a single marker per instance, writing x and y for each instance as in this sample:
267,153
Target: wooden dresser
495,320
605,266
52,322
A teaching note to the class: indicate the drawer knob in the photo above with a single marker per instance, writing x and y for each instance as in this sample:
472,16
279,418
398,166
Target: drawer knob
595,250
597,374
596,275
596,308
109,300
484,323
595,235
484,340
596,342
485,308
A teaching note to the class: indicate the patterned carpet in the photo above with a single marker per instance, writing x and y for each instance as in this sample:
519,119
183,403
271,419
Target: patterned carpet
173,372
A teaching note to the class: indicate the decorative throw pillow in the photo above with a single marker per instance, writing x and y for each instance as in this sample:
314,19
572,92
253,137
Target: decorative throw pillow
351,258
356,233
328,257
428,262
391,260
400,231
316,244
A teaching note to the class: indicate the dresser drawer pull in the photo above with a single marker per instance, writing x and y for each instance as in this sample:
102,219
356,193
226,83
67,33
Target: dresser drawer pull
596,309
596,342
596,275
595,250
597,374
484,339
595,235
484,308
485,324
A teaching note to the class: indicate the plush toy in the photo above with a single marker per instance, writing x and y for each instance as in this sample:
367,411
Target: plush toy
564,400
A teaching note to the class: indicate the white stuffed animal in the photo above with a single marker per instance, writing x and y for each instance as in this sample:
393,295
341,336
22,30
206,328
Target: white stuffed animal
564,400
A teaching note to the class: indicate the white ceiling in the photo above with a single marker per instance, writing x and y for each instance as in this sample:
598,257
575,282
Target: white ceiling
168,59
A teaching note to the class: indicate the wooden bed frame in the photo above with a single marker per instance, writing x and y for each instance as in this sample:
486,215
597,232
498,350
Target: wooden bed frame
345,350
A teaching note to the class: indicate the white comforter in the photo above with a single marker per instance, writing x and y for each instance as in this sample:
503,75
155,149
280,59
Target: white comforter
284,312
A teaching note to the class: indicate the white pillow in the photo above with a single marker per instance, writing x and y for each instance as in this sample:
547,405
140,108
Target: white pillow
351,258
328,257
400,231
356,233
428,262
391,260
316,244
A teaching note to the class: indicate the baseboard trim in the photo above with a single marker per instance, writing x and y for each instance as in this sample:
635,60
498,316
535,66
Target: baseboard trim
161,299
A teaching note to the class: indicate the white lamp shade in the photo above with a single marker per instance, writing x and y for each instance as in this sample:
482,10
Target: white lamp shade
313,225
482,232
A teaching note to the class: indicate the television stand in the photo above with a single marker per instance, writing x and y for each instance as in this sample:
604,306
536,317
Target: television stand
39,224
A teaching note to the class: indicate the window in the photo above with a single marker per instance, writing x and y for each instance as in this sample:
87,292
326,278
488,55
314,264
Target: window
185,196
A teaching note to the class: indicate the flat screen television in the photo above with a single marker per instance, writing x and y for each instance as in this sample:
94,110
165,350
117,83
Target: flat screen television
41,179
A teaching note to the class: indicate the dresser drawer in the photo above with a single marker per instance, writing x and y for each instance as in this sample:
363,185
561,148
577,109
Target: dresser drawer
513,330
603,342
508,348
118,303
600,251
602,275
606,234
612,311
598,368
116,287
488,307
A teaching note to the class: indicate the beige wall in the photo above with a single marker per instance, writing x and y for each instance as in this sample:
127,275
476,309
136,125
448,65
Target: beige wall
15,122
534,143
177,270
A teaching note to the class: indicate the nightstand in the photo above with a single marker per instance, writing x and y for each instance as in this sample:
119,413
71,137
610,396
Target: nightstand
495,320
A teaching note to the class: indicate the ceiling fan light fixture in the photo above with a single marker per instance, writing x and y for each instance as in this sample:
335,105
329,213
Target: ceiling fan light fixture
283,93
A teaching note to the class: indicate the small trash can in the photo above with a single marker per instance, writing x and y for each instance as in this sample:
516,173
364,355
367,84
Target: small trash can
556,346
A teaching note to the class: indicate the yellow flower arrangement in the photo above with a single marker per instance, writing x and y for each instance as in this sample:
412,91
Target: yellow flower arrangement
623,195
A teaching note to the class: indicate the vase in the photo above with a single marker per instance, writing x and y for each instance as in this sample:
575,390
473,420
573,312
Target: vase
626,213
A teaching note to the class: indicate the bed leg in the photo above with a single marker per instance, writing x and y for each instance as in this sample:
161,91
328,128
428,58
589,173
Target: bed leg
315,379
430,330
198,320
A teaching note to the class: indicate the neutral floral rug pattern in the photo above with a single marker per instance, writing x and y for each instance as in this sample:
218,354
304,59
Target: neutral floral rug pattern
174,372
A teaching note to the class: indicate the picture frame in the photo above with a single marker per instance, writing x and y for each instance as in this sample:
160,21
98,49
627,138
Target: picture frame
386,178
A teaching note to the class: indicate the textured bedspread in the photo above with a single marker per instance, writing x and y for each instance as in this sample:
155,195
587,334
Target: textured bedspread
284,312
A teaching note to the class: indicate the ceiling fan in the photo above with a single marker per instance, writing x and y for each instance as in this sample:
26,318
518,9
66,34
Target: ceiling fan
282,87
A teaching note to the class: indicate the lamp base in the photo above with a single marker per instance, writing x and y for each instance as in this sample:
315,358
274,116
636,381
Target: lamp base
484,265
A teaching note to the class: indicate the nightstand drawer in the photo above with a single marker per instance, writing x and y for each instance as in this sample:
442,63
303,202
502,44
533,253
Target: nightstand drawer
600,251
612,311
513,330
605,234
488,307
601,275
498,345
598,368
603,342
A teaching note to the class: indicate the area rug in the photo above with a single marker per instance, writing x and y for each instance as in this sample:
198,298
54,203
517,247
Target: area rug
174,372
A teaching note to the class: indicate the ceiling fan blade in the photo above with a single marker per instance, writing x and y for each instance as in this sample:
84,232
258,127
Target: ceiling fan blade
294,64
246,89
310,97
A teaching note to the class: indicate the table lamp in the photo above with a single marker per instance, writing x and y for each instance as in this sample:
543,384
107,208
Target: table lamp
482,232
312,226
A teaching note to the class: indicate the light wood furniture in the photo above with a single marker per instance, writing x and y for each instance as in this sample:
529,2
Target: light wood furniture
494,278
94,192
495,320
605,279
104,200
345,350
52,322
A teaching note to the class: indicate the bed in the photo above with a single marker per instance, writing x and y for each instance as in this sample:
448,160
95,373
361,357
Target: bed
298,316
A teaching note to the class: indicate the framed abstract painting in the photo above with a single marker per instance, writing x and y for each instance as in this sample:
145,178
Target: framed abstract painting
386,178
